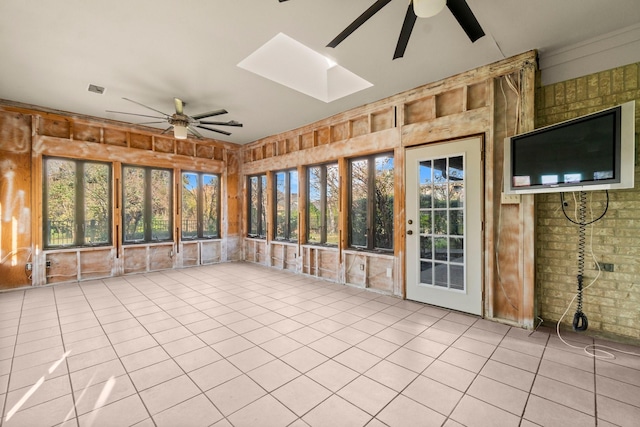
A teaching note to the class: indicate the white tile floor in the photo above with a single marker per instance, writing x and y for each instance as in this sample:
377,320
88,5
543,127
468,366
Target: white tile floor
243,345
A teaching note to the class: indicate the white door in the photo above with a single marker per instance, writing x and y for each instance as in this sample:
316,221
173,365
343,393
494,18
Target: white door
444,224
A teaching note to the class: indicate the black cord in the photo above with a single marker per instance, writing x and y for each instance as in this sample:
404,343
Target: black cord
580,322
606,208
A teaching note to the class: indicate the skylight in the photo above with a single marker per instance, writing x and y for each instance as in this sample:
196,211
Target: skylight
290,63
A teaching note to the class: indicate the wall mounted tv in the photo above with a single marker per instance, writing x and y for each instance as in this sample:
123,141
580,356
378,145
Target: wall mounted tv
592,152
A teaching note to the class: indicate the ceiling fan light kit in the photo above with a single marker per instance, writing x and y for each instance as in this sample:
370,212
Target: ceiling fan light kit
428,8
179,131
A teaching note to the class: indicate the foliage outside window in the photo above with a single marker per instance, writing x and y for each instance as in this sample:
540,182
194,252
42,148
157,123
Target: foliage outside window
371,202
257,218
200,206
77,203
147,213
286,203
323,204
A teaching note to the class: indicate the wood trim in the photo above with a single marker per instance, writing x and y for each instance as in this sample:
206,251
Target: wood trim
52,146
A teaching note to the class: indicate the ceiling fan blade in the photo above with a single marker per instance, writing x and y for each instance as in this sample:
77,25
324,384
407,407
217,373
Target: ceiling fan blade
282,1
145,106
373,9
405,33
465,17
229,123
151,123
167,130
209,114
134,114
179,105
194,132
214,130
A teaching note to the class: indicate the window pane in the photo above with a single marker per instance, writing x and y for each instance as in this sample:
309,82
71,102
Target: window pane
133,196
253,205
281,208
263,206
425,184
314,209
333,204
97,206
358,223
160,205
456,179
210,205
189,205
384,219
60,199
293,205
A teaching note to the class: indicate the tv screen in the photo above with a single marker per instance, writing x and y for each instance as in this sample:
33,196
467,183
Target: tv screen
587,153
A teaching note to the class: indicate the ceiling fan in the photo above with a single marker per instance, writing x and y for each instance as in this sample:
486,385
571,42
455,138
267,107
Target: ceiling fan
182,123
417,8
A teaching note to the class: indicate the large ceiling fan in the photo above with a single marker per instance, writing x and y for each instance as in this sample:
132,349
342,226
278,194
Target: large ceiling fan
417,8
182,123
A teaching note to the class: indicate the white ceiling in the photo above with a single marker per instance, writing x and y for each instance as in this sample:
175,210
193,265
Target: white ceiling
154,50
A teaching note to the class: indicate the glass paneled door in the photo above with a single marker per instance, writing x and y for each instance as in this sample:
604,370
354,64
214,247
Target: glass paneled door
444,225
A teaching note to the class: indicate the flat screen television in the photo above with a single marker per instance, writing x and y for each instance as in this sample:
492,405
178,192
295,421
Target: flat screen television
592,152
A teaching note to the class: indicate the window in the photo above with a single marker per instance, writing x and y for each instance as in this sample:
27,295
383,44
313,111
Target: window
77,203
286,203
323,204
200,205
257,206
371,199
146,194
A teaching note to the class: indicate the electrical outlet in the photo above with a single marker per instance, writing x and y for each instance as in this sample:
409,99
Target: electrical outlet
29,266
510,199
361,267
606,266
48,264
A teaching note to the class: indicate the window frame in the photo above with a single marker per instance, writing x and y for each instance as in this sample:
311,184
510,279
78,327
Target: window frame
323,203
286,237
261,207
147,208
200,235
79,207
370,235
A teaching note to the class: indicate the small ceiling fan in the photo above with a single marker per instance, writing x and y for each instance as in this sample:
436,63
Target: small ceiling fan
417,8
182,123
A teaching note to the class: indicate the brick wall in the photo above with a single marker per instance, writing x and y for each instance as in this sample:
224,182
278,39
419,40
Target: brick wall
612,304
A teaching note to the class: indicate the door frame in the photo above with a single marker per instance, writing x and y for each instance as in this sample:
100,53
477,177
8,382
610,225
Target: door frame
482,209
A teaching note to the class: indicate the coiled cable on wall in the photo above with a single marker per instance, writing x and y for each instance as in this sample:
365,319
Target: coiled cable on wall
580,322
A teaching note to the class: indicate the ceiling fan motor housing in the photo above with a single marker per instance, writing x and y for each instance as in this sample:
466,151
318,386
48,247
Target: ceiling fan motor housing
179,120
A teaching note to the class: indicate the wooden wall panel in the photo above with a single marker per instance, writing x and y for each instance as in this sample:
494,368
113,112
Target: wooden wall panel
421,110
340,131
96,263
329,264
63,267
210,252
58,128
135,259
15,199
380,274
118,138
477,96
190,253
451,102
164,145
160,257
360,126
86,132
